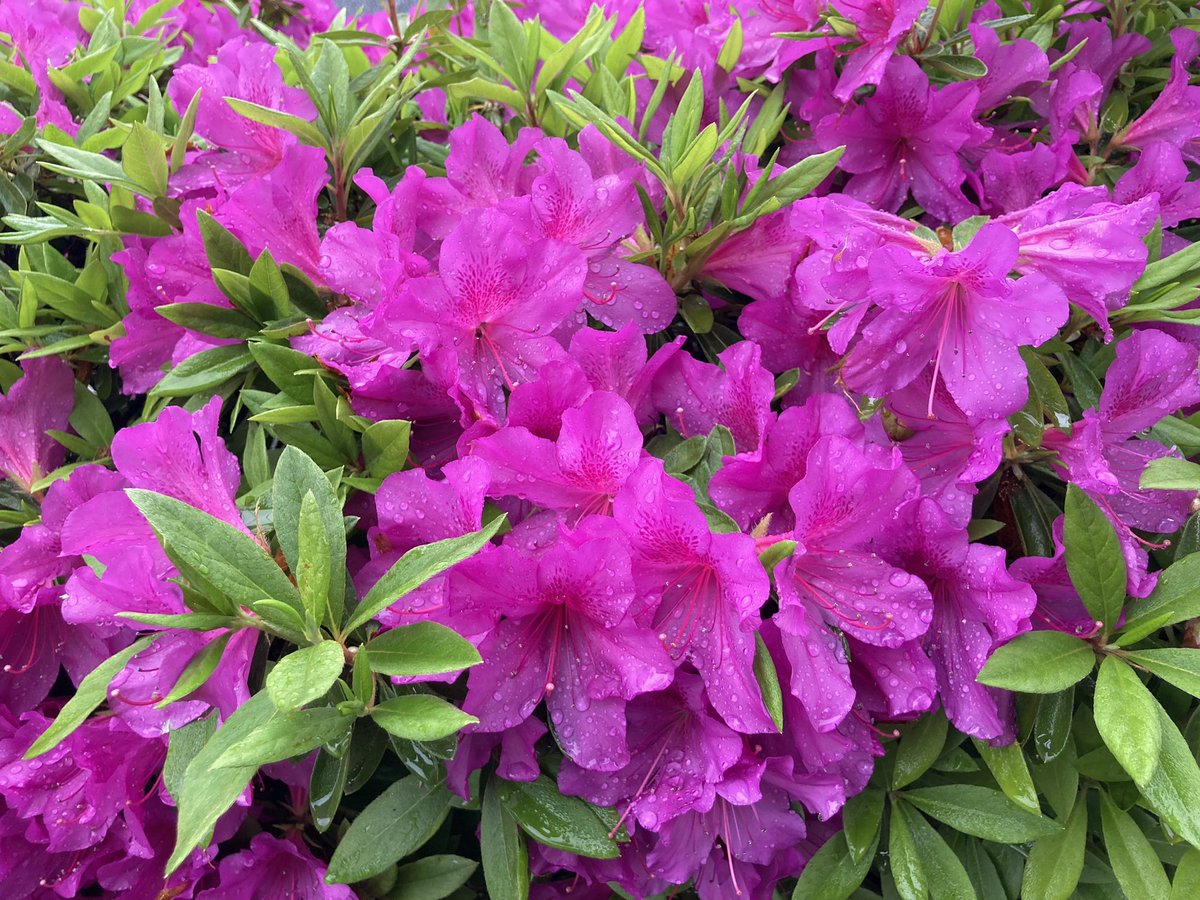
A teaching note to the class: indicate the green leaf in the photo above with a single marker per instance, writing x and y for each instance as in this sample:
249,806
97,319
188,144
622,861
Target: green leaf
312,572
385,446
502,849
920,746
1134,862
911,882
832,873
1179,666
224,251
930,866
393,825
420,717
303,129
768,681
296,476
1178,590
206,370
305,675
143,157
1039,662
206,318
287,734
981,812
1127,718
862,815
432,878
1171,474
565,823
326,788
206,791
227,558
183,744
1173,788
1056,862
1186,883
423,648
268,290
1007,765
89,694
1094,557
198,670
416,567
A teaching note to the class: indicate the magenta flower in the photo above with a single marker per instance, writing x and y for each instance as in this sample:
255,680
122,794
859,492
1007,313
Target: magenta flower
753,487
578,475
907,138
835,580
705,590
1153,375
278,211
172,269
412,510
570,203
960,313
882,25
245,71
977,605
695,396
568,637
1088,246
950,452
678,754
488,316
1174,116
38,402
181,455
274,867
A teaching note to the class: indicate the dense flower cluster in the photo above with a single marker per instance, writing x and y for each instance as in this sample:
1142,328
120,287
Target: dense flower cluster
799,502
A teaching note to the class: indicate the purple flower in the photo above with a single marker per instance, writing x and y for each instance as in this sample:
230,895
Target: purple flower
834,579
38,402
245,71
962,314
75,793
678,752
1013,66
1058,603
881,25
696,396
1153,375
753,487
706,590
597,449
488,316
567,636
977,605
1089,247
569,203
1160,170
1174,116
274,867
751,819
907,137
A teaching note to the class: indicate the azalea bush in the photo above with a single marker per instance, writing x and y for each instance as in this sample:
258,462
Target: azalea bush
649,449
